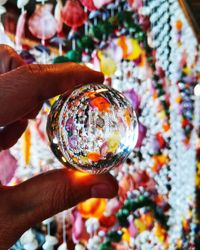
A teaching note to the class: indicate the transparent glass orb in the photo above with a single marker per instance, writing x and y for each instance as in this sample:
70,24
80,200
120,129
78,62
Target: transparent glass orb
94,129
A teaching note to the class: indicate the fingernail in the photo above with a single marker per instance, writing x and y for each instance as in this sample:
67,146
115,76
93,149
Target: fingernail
103,191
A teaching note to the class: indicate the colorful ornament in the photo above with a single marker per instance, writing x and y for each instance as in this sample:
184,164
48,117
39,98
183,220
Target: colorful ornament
20,29
89,4
50,242
60,41
135,50
28,240
142,134
42,23
4,39
8,166
73,14
107,64
100,3
21,4
27,57
77,227
130,47
73,56
58,16
114,51
26,146
133,98
92,208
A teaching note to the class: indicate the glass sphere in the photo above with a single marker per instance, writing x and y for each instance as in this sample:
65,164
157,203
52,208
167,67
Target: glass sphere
94,129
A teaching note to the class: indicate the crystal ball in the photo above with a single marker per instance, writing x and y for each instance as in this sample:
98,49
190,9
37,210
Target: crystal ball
93,129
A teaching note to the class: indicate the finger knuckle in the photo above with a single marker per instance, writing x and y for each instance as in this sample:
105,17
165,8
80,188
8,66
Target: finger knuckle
33,69
6,49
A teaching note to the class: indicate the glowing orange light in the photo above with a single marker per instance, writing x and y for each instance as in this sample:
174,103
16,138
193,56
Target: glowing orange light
92,208
81,174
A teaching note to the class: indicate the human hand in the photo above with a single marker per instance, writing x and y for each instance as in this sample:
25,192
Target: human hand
23,89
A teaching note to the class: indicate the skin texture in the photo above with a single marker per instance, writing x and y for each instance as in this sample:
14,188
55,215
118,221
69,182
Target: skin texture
23,89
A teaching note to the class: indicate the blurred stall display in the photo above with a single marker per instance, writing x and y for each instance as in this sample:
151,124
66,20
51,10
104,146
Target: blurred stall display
148,51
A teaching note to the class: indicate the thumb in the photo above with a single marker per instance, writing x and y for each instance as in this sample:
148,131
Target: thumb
54,191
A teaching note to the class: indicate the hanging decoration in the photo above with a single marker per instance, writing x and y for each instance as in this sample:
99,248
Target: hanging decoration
73,14
42,23
156,65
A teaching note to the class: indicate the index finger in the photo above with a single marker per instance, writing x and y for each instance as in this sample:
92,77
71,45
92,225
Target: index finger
24,88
